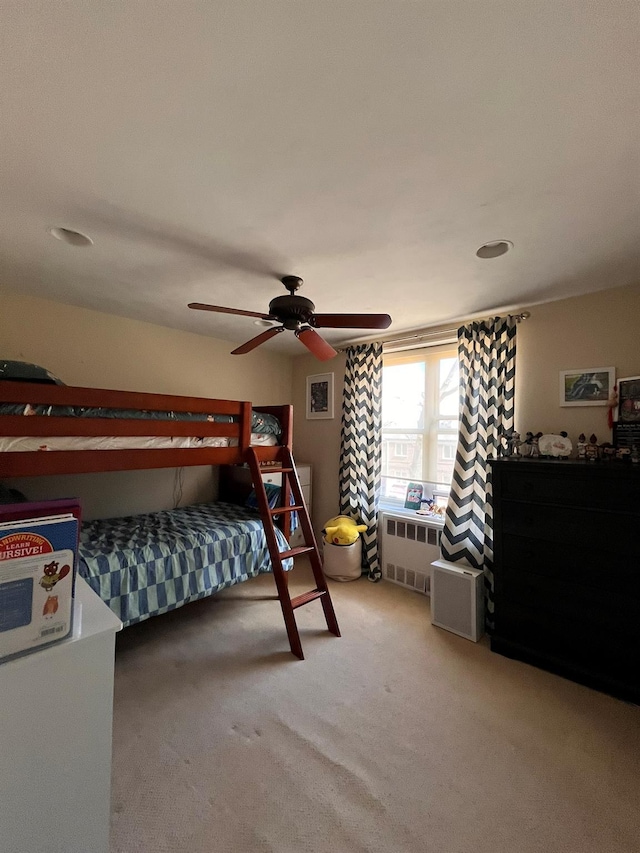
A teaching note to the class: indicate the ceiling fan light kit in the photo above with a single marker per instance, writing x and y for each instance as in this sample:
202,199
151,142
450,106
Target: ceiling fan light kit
297,314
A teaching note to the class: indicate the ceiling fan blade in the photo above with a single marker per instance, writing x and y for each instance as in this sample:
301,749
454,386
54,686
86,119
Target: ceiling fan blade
351,321
202,306
255,342
315,344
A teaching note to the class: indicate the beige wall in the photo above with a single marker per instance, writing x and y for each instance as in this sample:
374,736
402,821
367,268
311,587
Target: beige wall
88,348
318,441
598,330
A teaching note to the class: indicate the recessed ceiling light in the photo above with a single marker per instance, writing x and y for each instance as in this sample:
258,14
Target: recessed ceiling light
265,322
494,249
68,235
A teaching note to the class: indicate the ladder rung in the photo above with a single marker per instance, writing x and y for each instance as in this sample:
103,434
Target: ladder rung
293,552
270,470
277,510
306,597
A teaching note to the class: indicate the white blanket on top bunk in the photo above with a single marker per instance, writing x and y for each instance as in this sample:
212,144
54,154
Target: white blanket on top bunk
10,444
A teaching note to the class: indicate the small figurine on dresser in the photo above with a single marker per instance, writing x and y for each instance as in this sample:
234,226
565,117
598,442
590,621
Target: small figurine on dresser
530,447
591,449
512,437
525,446
535,445
607,451
582,446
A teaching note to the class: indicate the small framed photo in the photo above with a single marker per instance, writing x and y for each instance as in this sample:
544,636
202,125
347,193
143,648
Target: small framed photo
587,386
320,396
628,409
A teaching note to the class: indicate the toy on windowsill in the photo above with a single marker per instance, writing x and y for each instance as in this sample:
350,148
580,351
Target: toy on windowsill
427,506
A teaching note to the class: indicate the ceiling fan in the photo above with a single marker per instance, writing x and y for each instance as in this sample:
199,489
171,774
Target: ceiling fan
297,314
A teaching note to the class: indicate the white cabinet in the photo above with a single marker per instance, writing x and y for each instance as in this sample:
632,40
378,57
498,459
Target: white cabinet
56,710
304,474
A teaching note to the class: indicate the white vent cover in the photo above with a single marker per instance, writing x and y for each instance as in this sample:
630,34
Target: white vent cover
457,599
409,545
413,578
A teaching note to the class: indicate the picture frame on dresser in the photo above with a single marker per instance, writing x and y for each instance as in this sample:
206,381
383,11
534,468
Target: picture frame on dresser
587,386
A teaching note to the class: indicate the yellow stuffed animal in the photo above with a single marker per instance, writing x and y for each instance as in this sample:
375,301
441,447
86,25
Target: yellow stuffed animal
342,530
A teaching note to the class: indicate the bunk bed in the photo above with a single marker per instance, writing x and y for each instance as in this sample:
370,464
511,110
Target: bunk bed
147,564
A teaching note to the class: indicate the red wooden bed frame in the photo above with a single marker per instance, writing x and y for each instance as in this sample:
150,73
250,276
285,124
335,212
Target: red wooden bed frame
39,463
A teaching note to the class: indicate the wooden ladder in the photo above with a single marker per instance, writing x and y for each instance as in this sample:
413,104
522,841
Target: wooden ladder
290,486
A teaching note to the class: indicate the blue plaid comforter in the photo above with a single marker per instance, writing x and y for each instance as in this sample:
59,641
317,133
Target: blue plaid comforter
143,565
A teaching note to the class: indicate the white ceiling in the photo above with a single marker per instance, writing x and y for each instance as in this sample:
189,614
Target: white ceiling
369,147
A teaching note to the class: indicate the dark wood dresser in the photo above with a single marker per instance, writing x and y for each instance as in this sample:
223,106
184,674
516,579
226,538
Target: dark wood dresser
567,569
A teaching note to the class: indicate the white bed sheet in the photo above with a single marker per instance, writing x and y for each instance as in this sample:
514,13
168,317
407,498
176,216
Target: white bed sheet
14,444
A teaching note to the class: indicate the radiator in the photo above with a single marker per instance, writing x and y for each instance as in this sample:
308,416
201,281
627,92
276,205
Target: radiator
409,544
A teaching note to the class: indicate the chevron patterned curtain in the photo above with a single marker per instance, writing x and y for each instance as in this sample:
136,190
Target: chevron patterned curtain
487,356
361,446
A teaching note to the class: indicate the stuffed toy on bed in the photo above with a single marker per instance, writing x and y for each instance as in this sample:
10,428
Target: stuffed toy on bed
342,530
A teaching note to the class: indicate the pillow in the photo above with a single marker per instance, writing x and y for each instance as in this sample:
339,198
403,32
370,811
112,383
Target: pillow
273,496
265,424
22,371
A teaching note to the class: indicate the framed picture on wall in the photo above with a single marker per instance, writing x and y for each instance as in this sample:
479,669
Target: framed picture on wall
628,408
320,396
587,386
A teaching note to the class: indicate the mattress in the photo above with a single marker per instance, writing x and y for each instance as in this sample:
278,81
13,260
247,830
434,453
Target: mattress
145,565
12,444
260,421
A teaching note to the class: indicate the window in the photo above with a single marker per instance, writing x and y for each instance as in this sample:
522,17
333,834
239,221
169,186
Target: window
419,418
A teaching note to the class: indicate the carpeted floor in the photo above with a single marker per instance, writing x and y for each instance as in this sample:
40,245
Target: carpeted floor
397,737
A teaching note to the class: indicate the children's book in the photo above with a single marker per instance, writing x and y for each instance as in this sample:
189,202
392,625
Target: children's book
38,554
414,496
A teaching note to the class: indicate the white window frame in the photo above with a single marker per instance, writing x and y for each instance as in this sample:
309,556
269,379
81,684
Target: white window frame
431,358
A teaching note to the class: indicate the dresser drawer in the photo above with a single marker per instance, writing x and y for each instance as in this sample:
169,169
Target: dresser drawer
582,527
582,564
564,637
591,485
274,479
588,608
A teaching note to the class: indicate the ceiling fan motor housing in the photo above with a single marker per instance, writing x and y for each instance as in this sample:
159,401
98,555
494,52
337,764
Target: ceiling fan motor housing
292,311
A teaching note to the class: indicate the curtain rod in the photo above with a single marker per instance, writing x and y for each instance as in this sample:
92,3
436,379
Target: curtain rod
443,334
